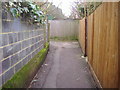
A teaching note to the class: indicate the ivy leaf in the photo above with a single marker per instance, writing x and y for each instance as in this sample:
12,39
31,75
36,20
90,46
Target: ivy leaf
26,9
30,10
19,4
14,12
32,6
11,3
20,9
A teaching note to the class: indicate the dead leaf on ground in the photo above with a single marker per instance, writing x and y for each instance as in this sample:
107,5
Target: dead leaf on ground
46,64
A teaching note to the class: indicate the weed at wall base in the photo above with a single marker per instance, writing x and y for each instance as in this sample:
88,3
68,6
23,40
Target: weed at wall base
22,78
71,38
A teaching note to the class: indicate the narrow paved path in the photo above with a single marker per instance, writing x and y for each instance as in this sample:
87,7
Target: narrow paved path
64,67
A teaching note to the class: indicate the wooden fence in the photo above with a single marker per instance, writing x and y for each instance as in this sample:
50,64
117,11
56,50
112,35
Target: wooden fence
102,43
82,34
64,28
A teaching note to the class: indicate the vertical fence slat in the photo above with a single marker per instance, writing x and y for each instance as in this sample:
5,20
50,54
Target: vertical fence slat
90,39
82,35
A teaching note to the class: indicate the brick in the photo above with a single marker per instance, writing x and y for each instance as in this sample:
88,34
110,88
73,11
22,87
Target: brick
15,37
4,15
24,35
29,57
16,47
25,44
38,50
23,54
5,64
16,25
39,38
30,34
42,47
0,67
5,39
1,40
33,33
39,44
18,67
19,56
25,61
1,54
10,38
33,54
19,46
27,34
1,81
7,51
34,47
38,32
8,75
20,36
14,59
6,26
30,41
28,50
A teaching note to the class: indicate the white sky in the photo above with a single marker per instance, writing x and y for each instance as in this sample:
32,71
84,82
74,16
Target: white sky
64,5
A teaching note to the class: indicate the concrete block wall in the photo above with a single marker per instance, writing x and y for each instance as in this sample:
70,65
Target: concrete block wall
19,42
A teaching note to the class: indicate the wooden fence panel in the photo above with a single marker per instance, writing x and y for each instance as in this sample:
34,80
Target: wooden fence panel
64,28
90,38
97,43
102,43
105,50
82,34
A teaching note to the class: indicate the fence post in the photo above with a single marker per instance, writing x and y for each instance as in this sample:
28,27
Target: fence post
85,30
119,43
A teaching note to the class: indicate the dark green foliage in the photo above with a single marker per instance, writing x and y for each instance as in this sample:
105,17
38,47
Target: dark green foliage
91,6
85,9
26,10
70,38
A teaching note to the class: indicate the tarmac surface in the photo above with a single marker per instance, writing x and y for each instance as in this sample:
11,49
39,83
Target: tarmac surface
64,67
